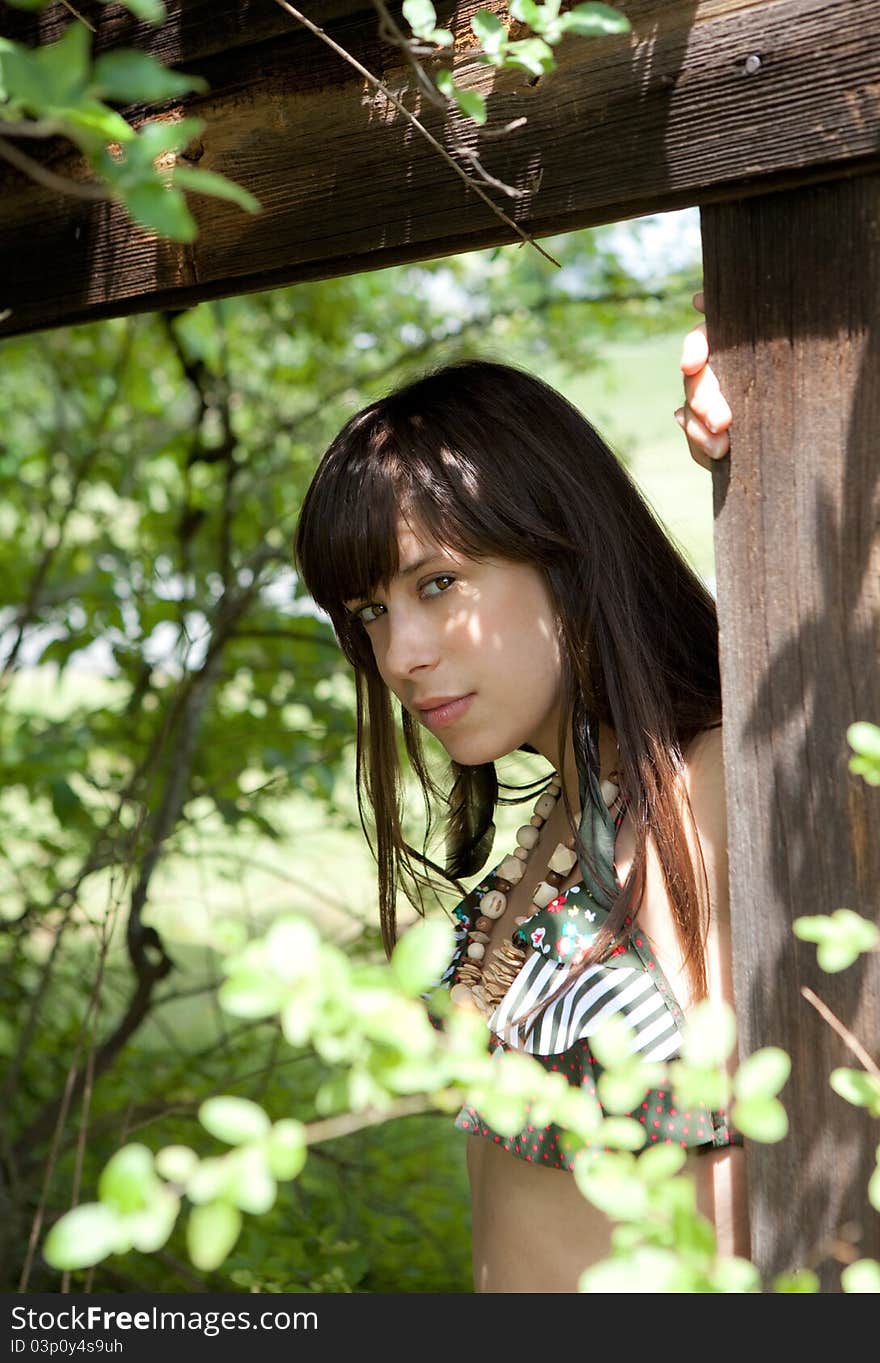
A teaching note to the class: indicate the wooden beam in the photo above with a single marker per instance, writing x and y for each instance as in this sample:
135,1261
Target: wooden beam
703,101
792,282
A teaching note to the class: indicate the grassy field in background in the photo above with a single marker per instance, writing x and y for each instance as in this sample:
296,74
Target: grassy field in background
630,401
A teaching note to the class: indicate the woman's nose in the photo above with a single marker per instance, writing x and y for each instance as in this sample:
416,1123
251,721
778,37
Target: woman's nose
411,643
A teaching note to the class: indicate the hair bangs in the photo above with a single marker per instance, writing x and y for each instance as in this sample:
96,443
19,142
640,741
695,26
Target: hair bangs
385,465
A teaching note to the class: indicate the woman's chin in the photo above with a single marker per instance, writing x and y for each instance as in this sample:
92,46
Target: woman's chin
473,752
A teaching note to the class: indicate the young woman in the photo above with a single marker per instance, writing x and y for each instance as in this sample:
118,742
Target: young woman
487,562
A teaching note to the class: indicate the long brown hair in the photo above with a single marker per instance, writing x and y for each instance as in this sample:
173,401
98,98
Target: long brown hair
492,462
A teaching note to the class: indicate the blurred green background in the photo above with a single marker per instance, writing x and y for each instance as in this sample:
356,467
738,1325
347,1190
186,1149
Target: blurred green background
177,723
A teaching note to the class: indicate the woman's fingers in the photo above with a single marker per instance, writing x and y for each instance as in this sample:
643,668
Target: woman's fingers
705,416
694,350
705,399
705,447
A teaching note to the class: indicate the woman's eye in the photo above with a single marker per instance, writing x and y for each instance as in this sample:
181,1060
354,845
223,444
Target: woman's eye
364,616
442,577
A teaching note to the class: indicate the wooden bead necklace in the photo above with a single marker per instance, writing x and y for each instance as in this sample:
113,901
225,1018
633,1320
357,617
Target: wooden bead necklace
485,988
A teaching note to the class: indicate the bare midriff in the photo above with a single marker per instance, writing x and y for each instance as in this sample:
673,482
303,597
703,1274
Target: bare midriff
534,1231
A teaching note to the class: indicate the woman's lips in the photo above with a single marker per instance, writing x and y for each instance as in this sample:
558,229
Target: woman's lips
446,714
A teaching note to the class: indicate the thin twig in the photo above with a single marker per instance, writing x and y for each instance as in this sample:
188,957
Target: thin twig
59,184
84,1039
394,35
348,1122
81,1142
392,99
389,30
76,14
842,1031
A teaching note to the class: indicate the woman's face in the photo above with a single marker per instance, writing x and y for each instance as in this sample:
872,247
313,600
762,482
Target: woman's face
480,633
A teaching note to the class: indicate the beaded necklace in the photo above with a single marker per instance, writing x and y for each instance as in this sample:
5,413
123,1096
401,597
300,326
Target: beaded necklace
484,988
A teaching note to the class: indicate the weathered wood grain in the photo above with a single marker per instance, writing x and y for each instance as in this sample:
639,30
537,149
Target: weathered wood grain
657,119
792,288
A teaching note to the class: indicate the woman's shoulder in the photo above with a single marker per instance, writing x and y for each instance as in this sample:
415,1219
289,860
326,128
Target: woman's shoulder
705,785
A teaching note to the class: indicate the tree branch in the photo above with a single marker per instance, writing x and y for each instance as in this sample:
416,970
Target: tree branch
59,184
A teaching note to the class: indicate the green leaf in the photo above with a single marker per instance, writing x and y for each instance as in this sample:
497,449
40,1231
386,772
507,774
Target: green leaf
228,935
660,1162
22,79
613,1044
234,1120
862,1276
813,928
534,54
709,1034
736,1275
836,956
251,1185
177,1163
620,1091
801,1280
156,137
593,21
82,1237
504,1112
211,1233
490,31
874,1183
421,16
150,1229
761,1119
287,1149
209,1181
130,77
623,1133
611,1183
528,13
249,994
762,1074
128,1179
472,104
209,182
293,949
857,1087
91,125
842,936
421,955
445,83
64,65
161,209
298,1017
695,1087
864,738
654,1269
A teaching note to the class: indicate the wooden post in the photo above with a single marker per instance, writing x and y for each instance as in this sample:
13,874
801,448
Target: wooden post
793,296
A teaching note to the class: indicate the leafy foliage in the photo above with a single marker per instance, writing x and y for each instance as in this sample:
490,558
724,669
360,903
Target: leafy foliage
166,688
496,48
58,89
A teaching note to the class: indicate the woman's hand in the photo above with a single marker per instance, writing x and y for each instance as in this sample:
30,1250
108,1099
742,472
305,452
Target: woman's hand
705,417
